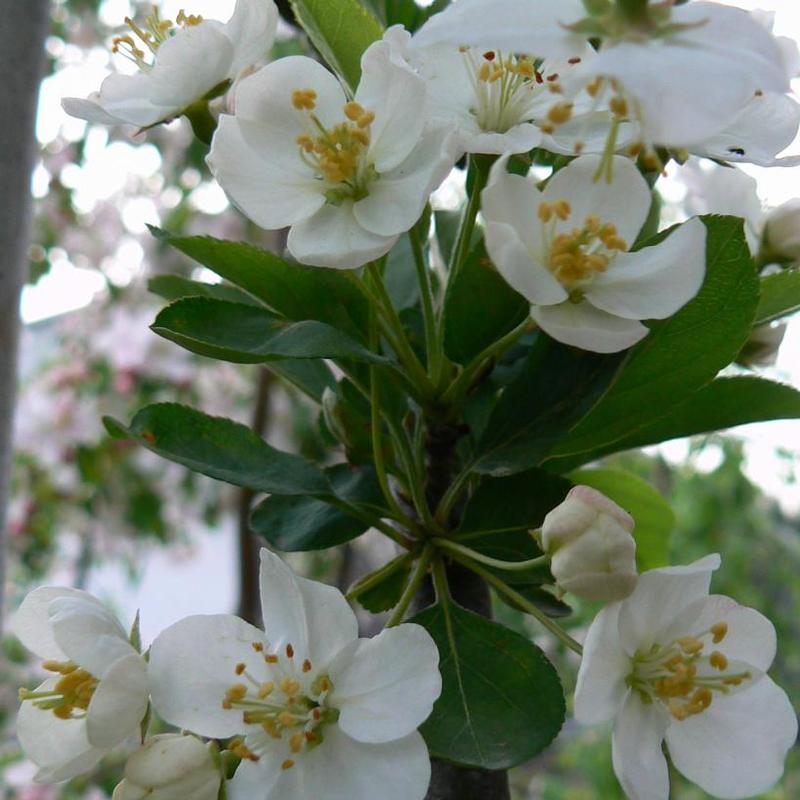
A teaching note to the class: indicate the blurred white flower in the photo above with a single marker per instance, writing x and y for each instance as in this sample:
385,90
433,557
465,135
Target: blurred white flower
566,251
178,66
782,231
673,664
348,176
323,713
99,693
589,539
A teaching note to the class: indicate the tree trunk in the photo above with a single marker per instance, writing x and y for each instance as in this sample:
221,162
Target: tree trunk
23,27
448,781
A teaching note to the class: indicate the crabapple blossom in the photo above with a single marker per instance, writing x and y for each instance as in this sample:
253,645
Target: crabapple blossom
170,766
178,66
98,694
782,231
589,539
672,663
348,176
308,696
567,251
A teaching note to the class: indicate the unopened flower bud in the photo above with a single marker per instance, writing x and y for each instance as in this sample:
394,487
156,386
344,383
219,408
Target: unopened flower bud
782,232
593,554
170,767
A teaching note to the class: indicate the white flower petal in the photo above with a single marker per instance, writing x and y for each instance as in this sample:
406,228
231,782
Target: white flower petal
189,65
256,780
270,186
736,748
59,747
119,703
89,634
601,686
311,616
653,283
89,109
397,198
398,99
193,663
518,26
385,687
625,202
128,98
251,29
582,325
660,595
31,624
266,95
343,769
639,763
334,238
519,139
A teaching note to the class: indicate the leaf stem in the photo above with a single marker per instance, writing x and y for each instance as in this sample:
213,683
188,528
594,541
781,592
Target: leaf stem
503,588
474,555
374,521
433,345
452,495
420,571
378,576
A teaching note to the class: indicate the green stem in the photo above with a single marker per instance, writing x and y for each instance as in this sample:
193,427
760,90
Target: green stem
464,381
480,166
410,591
375,522
524,603
474,555
440,583
452,495
378,577
433,344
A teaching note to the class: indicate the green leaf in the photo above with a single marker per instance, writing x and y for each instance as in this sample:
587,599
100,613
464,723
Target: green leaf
341,30
501,702
479,308
681,353
555,389
310,376
220,448
723,403
407,12
175,287
291,290
653,515
246,334
780,296
387,593
297,524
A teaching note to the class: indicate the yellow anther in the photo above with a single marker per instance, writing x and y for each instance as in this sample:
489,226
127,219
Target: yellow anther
366,119
562,209
239,748
289,650
307,666
718,660
188,19
286,719
325,684
678,710
265,690
485,72
62,667
236,692
241,668
545,212
719,631
296,742
289,686
288,764
619,106
304,99
690,645
354,111
560,113
594,87
258,647
271,659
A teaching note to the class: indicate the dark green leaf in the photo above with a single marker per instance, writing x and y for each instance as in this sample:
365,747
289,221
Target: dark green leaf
174,287
407,12
682,353
654,516
341,30
220,448
250,335
303,523
556,388
780,296
480,307
387,593
310,375
501,702
291,290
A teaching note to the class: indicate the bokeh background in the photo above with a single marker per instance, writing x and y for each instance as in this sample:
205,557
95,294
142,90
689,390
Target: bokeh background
145,535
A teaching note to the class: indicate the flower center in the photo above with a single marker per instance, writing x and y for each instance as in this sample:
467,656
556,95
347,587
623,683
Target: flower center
290,706
151,36
575,257
338,155
683,676
507,90
70,697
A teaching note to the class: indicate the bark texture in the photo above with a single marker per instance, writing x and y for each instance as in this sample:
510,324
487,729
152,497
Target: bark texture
23,27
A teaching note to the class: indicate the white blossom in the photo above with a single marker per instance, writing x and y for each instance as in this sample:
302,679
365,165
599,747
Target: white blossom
98,694
782,231
178,66
170,766
589,539
673,664
322,712
348,176
566,250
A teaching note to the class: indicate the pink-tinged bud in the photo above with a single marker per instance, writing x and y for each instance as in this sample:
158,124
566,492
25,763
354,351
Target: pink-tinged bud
588,537
782,231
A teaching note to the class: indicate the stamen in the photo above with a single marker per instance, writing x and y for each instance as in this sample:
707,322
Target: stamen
718,660
719,631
